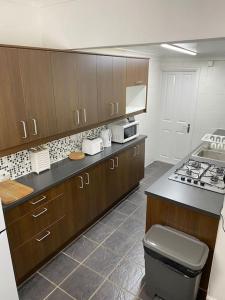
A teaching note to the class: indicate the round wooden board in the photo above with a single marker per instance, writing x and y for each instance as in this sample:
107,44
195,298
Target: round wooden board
76,155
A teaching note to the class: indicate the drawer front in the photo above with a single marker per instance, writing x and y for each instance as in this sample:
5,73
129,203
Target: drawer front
19,211
35,221
39,248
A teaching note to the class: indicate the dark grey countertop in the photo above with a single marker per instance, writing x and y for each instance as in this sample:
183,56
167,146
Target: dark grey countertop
183,194
66,169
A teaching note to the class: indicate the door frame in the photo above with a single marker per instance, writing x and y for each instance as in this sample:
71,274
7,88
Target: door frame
193,115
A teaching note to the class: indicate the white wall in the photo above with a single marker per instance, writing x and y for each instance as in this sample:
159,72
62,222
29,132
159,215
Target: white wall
216,290
96,23
19,24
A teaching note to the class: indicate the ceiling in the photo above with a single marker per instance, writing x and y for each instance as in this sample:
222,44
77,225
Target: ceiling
39,3
207,48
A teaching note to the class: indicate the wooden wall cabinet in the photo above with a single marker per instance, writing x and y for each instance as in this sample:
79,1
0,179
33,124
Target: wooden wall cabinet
137,71
38,228
12,107
36,76
111,75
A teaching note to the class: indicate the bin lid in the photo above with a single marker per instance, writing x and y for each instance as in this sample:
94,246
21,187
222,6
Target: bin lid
177,246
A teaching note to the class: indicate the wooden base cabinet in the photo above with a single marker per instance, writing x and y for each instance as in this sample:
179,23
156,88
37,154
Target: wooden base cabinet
40,227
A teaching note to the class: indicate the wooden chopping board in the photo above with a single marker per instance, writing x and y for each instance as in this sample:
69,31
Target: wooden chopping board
11,191
76,155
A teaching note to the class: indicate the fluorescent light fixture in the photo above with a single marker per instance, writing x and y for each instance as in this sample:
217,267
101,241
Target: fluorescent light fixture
178,49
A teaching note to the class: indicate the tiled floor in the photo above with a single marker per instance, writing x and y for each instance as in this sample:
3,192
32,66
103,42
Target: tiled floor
107,262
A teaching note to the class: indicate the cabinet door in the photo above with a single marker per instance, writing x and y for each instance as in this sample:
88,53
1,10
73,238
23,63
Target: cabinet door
106,104
35,66
119,85
140,161
87,88
12,119
137,71
65,90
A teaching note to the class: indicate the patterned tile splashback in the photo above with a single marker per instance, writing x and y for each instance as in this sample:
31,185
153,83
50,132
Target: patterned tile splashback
18,164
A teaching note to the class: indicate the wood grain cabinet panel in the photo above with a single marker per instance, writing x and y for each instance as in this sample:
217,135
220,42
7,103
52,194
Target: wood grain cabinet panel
137,71
35,67
64,70
12,108
111,72
87,88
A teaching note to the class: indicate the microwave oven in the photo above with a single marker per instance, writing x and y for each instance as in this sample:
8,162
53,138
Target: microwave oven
124,131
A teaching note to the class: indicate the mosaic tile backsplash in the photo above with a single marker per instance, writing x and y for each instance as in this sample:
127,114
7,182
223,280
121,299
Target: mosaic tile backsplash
18,164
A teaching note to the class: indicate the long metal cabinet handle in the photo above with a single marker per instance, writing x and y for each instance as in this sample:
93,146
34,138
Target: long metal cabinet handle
82,182
88,178
117,107
85,115
24,129
78,116
41,213
135,151
44,237
112,109
117,161
41,199
113,164
35,127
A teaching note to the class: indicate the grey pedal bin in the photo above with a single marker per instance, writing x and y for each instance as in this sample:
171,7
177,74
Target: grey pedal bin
173,263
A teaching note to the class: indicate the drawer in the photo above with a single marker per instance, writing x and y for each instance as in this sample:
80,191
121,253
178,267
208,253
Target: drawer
26,227
32,253
19,211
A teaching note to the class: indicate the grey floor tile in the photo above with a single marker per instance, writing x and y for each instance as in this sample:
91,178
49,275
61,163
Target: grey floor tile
119,242
126,207
129,276
81,248
102,261
136,253
57,269
109,291
99,232
140,213
133,227
144,294
82,283
59,295
36,288
138,198
114,218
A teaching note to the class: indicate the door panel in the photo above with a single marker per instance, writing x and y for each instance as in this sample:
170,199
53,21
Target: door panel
12,105
119,85
35,66
178,104
65,90
87,88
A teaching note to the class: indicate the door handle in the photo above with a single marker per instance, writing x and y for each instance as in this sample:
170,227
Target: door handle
82,182
113,164
24,129
85,115
35,127
135,151
117,161
117,107
78,117
88,178
188,128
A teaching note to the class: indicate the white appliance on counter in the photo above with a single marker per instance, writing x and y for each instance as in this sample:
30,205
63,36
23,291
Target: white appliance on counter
106,136
124,131
92,146
8,289
40,159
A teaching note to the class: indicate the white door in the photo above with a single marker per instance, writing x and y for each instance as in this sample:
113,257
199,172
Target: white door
8,290
177,110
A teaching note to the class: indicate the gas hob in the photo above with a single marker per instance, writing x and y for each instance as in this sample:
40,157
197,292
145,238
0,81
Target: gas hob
201,174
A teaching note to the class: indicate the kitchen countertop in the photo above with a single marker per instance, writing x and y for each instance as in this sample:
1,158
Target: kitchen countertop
66,169
187,195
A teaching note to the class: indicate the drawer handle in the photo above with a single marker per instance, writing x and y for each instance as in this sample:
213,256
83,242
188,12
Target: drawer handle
82,182
117,162
41,213
44,237
88,178
113,164
41,199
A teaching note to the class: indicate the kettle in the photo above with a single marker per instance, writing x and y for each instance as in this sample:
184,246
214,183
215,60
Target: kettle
106,136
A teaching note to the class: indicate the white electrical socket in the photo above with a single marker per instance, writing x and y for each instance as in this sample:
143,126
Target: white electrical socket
4,175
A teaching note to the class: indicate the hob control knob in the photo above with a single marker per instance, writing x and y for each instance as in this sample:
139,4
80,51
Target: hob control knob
189,180
202,183
182,178
195,181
